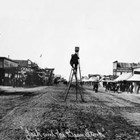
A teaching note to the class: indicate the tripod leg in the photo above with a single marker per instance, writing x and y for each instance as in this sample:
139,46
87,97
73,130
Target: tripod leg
81,90
76,84
68,87
70,74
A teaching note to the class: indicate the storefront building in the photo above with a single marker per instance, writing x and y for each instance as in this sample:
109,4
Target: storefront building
8,69
120,67
18,73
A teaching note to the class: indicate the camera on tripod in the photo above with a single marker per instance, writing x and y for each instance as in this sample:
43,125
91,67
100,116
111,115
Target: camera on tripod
77,49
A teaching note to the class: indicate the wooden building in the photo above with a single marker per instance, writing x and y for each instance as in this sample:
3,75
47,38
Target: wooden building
121,67
23,73
8,69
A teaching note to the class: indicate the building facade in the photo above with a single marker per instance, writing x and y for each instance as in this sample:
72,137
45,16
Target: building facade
32,74
23,73
8,69
121,67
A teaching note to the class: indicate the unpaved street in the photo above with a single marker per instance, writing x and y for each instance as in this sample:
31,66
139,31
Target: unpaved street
40,112
125,103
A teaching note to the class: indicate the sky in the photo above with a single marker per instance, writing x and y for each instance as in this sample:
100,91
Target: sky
104,30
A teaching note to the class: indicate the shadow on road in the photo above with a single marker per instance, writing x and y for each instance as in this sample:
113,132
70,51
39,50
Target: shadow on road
4,93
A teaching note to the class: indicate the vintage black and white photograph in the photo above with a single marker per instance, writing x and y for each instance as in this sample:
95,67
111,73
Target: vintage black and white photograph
69,69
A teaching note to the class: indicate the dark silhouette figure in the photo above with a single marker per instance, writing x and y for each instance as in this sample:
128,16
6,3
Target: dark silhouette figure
95,88
74,61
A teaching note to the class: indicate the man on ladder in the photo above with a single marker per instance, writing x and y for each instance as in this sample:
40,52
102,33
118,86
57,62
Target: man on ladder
74,62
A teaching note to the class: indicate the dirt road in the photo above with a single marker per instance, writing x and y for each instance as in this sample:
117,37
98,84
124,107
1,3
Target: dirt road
127,104
41,113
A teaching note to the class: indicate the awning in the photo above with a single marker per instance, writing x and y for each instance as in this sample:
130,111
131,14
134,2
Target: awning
135,78
85,80
123,77
93,79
